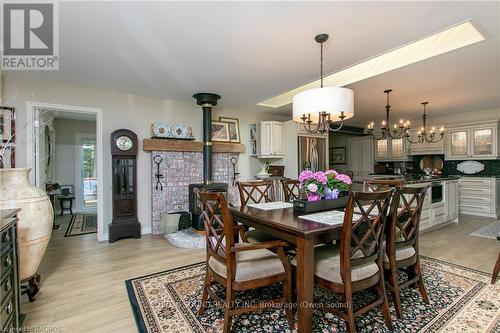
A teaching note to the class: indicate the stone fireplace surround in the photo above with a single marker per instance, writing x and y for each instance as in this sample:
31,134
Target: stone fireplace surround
179,170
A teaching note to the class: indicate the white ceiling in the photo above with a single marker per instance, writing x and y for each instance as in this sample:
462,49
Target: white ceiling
248,52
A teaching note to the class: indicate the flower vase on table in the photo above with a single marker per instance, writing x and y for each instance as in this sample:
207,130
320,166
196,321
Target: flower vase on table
325,191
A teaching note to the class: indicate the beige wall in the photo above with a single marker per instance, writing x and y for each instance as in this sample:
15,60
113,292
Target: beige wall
136,113
458,118
66,145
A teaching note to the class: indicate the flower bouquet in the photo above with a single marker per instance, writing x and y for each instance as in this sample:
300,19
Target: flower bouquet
324,190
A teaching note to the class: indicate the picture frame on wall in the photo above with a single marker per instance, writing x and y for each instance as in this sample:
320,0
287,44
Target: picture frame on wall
234,128
338,155
7,124
220,131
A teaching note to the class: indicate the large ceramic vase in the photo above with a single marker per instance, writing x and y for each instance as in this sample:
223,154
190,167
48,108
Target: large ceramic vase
35,218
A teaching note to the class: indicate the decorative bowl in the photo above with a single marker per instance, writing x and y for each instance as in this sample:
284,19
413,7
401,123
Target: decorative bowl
263,175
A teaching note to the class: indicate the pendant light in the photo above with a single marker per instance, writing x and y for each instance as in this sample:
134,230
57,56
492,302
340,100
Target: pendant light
423,135
317,109
398,131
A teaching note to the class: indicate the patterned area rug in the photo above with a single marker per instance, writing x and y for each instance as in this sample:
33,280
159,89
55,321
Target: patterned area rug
82,224
491,230
461,300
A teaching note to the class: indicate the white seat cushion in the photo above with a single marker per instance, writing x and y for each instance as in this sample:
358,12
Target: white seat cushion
250,265
401,253
327,265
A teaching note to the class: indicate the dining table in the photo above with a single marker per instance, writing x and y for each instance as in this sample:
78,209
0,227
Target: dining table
287,224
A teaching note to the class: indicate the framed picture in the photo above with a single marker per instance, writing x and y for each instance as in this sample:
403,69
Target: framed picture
338,155
8,156
7,124
220,131
234,128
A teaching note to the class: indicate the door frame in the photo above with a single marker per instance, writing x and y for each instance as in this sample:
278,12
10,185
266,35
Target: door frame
79,197
33,150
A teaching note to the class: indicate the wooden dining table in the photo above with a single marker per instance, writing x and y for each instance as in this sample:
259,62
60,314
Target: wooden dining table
285,224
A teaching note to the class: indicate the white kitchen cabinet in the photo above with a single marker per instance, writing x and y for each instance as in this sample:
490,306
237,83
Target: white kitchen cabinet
360,159
424,148
270,139
479,196
391,150
473,141
451,199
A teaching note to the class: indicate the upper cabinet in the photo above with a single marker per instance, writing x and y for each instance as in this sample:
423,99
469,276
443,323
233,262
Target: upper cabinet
424,148
391,150
476,141
270,139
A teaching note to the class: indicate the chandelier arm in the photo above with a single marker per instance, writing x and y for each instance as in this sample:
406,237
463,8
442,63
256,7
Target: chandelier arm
307,124
382,136
335,129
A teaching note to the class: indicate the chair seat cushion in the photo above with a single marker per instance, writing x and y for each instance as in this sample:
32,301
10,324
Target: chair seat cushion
250,265
327,265
258,236
401,253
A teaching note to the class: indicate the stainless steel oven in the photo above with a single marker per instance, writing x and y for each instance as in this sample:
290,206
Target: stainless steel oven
437,192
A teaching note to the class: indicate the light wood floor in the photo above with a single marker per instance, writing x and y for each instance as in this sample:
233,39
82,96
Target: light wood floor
83,287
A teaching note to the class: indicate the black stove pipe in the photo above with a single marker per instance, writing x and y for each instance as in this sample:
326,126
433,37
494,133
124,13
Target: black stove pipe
207,101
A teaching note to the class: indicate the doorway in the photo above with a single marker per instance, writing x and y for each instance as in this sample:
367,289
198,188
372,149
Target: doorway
72,158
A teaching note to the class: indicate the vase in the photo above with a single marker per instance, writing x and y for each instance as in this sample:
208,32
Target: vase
331,194
35,218
313,197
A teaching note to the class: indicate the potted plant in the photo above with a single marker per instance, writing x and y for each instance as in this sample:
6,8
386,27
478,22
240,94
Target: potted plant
324,190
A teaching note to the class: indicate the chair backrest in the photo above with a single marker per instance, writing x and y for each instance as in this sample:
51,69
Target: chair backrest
377,185
363,229
219,231
350,174
256,191
291,189
404,219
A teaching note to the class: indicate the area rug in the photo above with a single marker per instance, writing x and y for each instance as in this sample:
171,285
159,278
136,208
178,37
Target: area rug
461,300
82,224
491,230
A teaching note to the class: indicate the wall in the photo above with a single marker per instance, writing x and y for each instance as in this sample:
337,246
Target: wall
136,113
66,145
340,140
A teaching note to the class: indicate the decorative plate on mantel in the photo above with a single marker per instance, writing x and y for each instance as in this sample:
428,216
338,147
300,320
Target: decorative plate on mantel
160,129
470,167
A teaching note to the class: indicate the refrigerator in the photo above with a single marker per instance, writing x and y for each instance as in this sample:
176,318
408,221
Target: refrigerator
304,150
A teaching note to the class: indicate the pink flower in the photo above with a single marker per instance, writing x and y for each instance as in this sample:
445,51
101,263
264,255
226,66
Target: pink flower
320,177
328,172
312,188
344,178
306,175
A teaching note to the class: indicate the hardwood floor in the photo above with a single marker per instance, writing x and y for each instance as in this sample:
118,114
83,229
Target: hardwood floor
83,287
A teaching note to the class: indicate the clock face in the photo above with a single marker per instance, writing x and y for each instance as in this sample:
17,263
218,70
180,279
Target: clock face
124,143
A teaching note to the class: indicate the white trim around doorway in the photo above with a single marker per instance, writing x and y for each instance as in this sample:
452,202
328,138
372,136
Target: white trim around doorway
33,150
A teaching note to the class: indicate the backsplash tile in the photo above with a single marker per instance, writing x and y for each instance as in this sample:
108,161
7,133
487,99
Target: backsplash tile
491,167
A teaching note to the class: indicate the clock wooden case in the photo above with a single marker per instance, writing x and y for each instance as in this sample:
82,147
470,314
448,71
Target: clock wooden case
124,167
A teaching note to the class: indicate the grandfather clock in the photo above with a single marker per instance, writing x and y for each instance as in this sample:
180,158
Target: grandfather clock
124,157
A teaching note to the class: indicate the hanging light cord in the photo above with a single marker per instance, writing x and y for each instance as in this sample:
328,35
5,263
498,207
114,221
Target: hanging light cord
321,64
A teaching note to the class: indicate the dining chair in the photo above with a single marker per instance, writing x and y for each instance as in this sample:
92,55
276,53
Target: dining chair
357,264
291,190
255,192
350,174
239,266
376,185
497,267
401,245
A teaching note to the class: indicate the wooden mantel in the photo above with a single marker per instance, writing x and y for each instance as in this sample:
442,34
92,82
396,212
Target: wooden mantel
190,146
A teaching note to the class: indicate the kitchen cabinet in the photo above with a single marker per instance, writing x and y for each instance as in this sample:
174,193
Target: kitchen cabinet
425,148
360,157
479,196
476,141
451,199
270,139
391,150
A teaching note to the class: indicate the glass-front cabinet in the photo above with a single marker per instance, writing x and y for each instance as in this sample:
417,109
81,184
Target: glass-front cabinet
391,150
477,141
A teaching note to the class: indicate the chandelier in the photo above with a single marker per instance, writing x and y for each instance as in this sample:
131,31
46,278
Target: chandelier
398,131
423,135
319,108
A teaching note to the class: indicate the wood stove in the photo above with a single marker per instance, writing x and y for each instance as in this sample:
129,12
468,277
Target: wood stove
206,101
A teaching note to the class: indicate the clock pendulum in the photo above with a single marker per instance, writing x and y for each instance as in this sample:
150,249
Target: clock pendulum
124,168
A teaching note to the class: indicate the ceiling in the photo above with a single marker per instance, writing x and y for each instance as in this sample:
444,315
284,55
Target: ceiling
248,52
